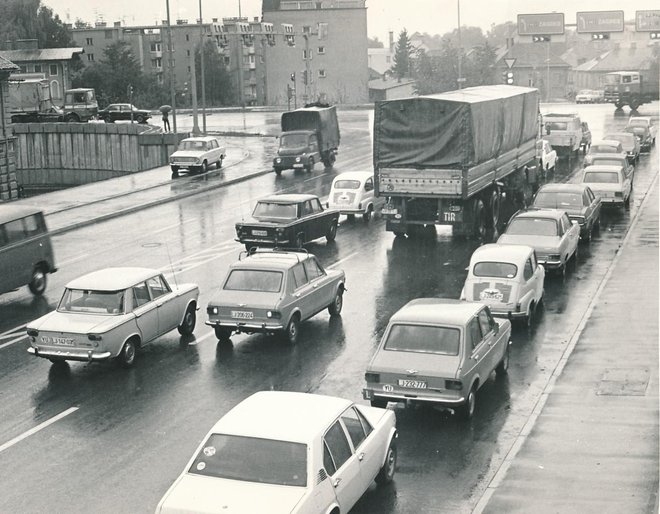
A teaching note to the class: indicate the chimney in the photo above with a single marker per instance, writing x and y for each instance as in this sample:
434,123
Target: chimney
182,22
117,24
214,20
391,40
100,24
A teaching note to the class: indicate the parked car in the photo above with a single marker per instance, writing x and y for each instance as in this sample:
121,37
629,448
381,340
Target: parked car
111,313
577,200
122,112
353,193
438,351
285,452
508,279
646,122
196,154
603,146
588,96
288,220
643,135
273,291
610,183
547,157
620,160
629,143
563,131
586,137
549,231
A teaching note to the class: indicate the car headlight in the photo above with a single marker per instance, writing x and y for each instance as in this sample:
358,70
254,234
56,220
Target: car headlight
297,159
278,160
554,257
273,315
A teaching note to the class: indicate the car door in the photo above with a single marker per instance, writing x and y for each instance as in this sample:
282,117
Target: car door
595,204
368,195
492,354
303,292
538,278
343,467
588,207
307,224
215,151
322,293
527,284
367,447
571,233
477,351
145,311
170,312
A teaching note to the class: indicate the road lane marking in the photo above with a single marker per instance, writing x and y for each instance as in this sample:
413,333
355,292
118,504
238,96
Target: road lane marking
11,331
174,225
8,343
349,256
36,429
73,259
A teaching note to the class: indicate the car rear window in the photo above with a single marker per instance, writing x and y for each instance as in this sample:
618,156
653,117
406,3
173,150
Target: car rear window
254,280
607,162
495,269
347,184
93,302
626,140
252,459
556,125
603,149
275,210
601,177
423,339
558,200
532,227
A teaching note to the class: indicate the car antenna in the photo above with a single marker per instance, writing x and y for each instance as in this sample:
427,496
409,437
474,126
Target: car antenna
169,257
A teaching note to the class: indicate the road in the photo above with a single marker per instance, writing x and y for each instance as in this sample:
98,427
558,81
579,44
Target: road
116,439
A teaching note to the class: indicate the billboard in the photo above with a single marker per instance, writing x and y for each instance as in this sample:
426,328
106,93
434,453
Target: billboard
540,24
599,21
647,21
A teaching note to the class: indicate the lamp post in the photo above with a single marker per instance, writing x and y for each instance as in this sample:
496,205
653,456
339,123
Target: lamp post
170,65
460,78
201,67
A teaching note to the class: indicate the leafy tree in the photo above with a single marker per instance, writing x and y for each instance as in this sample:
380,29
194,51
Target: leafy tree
219,85
374,43
498,33
402,56
470,37
479,68
28,19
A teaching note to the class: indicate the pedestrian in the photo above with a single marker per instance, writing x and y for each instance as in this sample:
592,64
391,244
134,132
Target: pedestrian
166,121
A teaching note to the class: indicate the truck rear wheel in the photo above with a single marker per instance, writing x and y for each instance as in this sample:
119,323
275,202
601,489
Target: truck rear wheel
479,220
494,202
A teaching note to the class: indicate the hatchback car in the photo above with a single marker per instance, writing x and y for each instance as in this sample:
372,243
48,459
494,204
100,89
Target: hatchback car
629,142
353,193
549,231
610,183
507,278
579,202
284,452
438,352
645,122
273,291
643,135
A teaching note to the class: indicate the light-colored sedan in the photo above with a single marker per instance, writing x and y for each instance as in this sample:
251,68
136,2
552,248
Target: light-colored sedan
283,452
610,183
197,154
507,278
111,313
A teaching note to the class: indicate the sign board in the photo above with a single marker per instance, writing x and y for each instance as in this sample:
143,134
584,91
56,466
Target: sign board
545,23
510,61
599,21
647,21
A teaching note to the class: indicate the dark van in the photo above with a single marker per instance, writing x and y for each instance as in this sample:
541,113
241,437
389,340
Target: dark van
26,254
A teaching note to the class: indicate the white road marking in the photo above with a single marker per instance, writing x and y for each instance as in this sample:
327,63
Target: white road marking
11,331
73,259
36,429
349,256
204,337
8,343
174,225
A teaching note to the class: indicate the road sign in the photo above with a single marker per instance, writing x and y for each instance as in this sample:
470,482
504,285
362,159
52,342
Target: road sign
599,21
544,23
510,61
647,21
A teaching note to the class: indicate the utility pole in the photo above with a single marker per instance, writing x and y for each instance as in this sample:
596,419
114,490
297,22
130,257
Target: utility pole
170,65
201,66
193,86
547,71
460,79
308,71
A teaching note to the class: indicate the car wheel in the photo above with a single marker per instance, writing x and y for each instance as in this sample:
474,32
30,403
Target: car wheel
466,411
378,402
72,118
205,167
291,332
139,118
503,367
529,319
278,171
589,234
335,307
597,224
332,232
626,202
309,167
218,164
126,357
479,227
189,319
367,215
386,473
38,282
222,333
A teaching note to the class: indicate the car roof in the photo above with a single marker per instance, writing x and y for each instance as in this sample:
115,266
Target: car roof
561,115
112,279
602,167
14,212
199,138
644,118
606,142
493,252
562,188
271,259
282,415
554,214
611,135
436,311
355,175
288,198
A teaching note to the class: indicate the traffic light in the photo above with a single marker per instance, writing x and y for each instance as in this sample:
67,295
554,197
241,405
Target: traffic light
507,77
130,90
600,36
293,77
541,39
655,35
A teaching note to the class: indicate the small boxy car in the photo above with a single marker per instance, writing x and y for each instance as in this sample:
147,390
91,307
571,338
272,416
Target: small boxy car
643,127
273,291
603,147
282,452
353,193
123,112
507,278
610,183
629,143
196,154
440,352
110,313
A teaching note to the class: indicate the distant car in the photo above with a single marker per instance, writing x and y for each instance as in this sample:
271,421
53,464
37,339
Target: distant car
111,313
122,112
438,352
610,183
507,278
647,122
352,193
603,146
285,452
629,143
577,200
587,96
586,137
547,157
196,154
549,231
615,160
272,291
288,220
643,135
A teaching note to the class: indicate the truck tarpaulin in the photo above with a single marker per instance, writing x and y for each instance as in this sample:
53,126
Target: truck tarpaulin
454,129
321,119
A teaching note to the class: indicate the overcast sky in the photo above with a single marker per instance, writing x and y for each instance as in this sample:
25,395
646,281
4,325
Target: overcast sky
432,16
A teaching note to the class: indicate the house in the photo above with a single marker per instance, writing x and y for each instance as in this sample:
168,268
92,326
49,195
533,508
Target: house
8,186
390,89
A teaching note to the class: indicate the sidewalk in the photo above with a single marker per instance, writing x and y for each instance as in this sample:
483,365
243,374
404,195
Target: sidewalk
591,445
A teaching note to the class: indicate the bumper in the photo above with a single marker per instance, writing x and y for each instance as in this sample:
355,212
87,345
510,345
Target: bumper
346,209
509,313
611,201
247,327
187,165
550,264
419,395
269,242
287,163
70,355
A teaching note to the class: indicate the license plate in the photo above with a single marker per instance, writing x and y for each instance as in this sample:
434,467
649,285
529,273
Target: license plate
414,384
298,165
452,216
242,314
259,232
388,211
63,341
344,201
491,295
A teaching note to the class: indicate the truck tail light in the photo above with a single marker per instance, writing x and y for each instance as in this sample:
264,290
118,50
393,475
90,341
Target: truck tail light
372,377
453,385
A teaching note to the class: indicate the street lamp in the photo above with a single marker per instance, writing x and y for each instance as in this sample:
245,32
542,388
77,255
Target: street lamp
201,66
170,65
460,79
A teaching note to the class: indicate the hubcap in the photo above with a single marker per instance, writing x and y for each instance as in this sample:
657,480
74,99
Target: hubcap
391,459
38,279
129,353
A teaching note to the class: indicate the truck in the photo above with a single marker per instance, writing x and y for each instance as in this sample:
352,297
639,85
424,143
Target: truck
564,131
30,101
452,158
309,135
632,88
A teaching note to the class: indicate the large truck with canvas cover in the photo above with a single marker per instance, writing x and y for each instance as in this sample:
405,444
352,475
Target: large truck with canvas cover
632,88
30,101
451,158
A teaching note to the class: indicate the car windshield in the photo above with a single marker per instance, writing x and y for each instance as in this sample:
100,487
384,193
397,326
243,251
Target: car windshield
495,269
552,200
586,92
252,459
293,140
423,339
612,79
347,184
601,177
556,125
97,302
604,161
192,145
532,227
285,211
254,280
626,140
603,149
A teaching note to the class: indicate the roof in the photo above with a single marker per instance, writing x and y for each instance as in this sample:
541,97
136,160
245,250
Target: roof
112,279
7,65
282,415
288,198
638,58
382,84
480,93
514,254
606,142
359,175
603,167
553,214
41,54
616,135
533,55
12,212
271,259
560,115
439,311
556,187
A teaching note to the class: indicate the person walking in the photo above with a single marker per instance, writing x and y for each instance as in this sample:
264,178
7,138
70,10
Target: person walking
166,121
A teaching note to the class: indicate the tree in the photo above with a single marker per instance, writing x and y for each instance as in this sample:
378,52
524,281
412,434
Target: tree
28,19
374,43
218,83
480,66
402,56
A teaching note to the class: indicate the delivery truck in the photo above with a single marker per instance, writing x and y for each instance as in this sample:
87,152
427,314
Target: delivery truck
30,101
632,88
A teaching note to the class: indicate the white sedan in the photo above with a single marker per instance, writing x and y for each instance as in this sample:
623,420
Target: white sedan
286,452
197,154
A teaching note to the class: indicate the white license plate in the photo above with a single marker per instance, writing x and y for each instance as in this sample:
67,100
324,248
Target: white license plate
298,165
414,384
388,211
63,341
242,314
344,201
491,295
260,233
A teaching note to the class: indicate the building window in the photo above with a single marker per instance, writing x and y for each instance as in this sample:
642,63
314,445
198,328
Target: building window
187,37
90,57
108,34
157,63
188,53
89,41
322,74
320,50
227,60
188,69
37,68
155,47
307,29
53,70
323,31
55,89
307,54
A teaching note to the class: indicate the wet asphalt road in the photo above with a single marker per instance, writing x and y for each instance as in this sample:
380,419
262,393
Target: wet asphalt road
134,430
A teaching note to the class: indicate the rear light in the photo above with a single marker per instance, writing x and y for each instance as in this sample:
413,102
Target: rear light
273,314
360,205
94,337
211,310
453,385
372,377
32,332
554,257
617,194
280,231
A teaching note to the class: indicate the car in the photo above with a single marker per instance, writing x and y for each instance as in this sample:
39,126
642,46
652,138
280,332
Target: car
577,200
286,452
629,143
288,220
615,160
603,146
122,112
586,137
273,291
440,352
547,157
508,279
110,314
587,96
549,231
563,131
643,135
352,193
647,122
610,183
196,154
